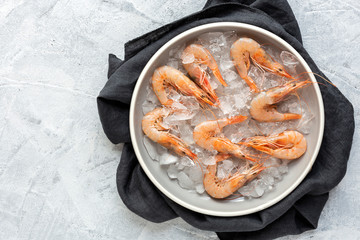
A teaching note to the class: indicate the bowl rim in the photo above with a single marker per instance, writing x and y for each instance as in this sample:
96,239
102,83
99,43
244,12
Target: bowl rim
211,26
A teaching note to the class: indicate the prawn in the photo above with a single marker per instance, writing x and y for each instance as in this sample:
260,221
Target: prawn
222,188
286,145
202,56
165,76
154,128
263,109
245,48
204,132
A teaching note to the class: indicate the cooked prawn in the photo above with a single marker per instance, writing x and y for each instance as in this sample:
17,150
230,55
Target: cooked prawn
286,145
222,188
165,76
154,128
204,133
263,109
245,48
202,56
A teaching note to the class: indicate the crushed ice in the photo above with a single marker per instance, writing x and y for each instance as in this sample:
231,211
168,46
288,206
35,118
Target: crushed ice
234,100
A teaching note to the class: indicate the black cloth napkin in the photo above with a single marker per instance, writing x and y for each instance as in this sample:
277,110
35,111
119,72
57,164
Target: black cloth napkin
300,210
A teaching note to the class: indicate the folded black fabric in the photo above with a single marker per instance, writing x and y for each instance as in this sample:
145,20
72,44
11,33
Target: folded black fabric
296,213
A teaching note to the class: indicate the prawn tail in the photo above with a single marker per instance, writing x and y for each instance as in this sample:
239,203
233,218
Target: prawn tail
237,119
291,116
221,157
251,83
219,77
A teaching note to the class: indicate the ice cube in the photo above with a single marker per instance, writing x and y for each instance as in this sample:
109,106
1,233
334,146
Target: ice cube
305,123
208,38
283,169
230,130
243,131
259,190
161,150
176,51
151,97
227,104
186,161
200,188
168,158
224,169
150,146
215,49
178,116
255,189
274,172
226,64
235,87
213,83
273,52
187,58
236,137
241,100
227,165
207,159
172,171
179,106
221,173
231,37
280,127
186,133
245,190
257,75
267,179
229,75
174,63
202,116
288,59
190,103
195,174
185,181
294,107
173,94
147,107
179,165
272,162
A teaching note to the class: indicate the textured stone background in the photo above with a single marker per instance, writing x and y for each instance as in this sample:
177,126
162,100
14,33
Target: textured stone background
57,168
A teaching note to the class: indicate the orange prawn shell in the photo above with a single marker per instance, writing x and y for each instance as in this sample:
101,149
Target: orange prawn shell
166,76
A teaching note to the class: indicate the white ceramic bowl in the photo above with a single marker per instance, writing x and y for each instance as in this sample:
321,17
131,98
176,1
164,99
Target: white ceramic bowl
298,169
